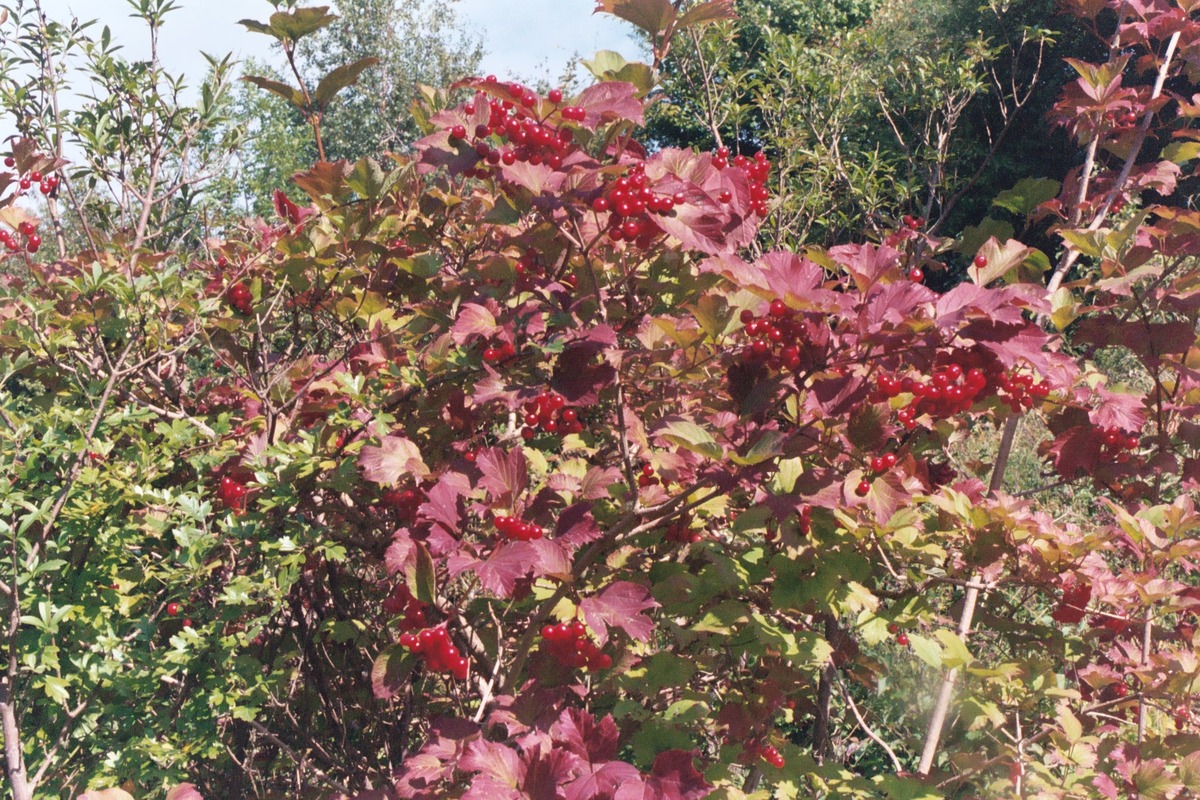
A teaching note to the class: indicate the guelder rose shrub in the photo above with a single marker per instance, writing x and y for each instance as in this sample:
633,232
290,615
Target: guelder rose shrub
530,477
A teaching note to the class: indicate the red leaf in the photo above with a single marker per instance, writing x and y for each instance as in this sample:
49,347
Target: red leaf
508,563
184,791
619,605
580,733
609,101
505,474
673,777
495,761
652,16
1073,606
473,320
443,503
602,781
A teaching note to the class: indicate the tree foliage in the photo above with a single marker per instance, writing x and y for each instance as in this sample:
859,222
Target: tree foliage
515,467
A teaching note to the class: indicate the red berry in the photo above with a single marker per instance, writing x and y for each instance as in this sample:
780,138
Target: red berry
893,627
725,196
902,639
981,261
187,623
600,205
863,487
35,176
172,609
458,132
916,274
555,96
9,161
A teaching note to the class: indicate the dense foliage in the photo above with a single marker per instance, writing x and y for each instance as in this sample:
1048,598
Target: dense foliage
515,468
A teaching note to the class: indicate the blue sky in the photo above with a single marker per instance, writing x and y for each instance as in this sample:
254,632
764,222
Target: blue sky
523,38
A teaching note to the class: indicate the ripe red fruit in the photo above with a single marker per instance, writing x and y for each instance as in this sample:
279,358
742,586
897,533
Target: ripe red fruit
187,623
981,261
555,96
902,639
9,161
458,132
893,627
725,196
172,609
863,487
916,274
600,205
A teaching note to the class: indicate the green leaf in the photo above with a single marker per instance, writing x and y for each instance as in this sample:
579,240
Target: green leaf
422,577
391,671
293,96
367,179
1089,243
612,66
955,653
768,446
340,78
926,649
691,436
1181,152
294,25
1027,195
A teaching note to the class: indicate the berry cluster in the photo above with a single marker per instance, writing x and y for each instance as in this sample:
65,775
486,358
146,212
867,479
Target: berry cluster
878,465
775,337
805,519
232,493
680,532
440,654
46,183
534,142
499,351
1116,446
404,502
1021,390
517,529
548,413
647,477
240,298
12,241
630,201
402,248
758,169
401,601
571,646
767,752
901,636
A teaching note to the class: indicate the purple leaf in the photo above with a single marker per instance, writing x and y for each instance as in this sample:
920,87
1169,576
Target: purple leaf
673,777
619,605
505,474
579,732
473,320
394,458
503,764
576,526
598,782
443,503
508,563
609,101
184,791
579,376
